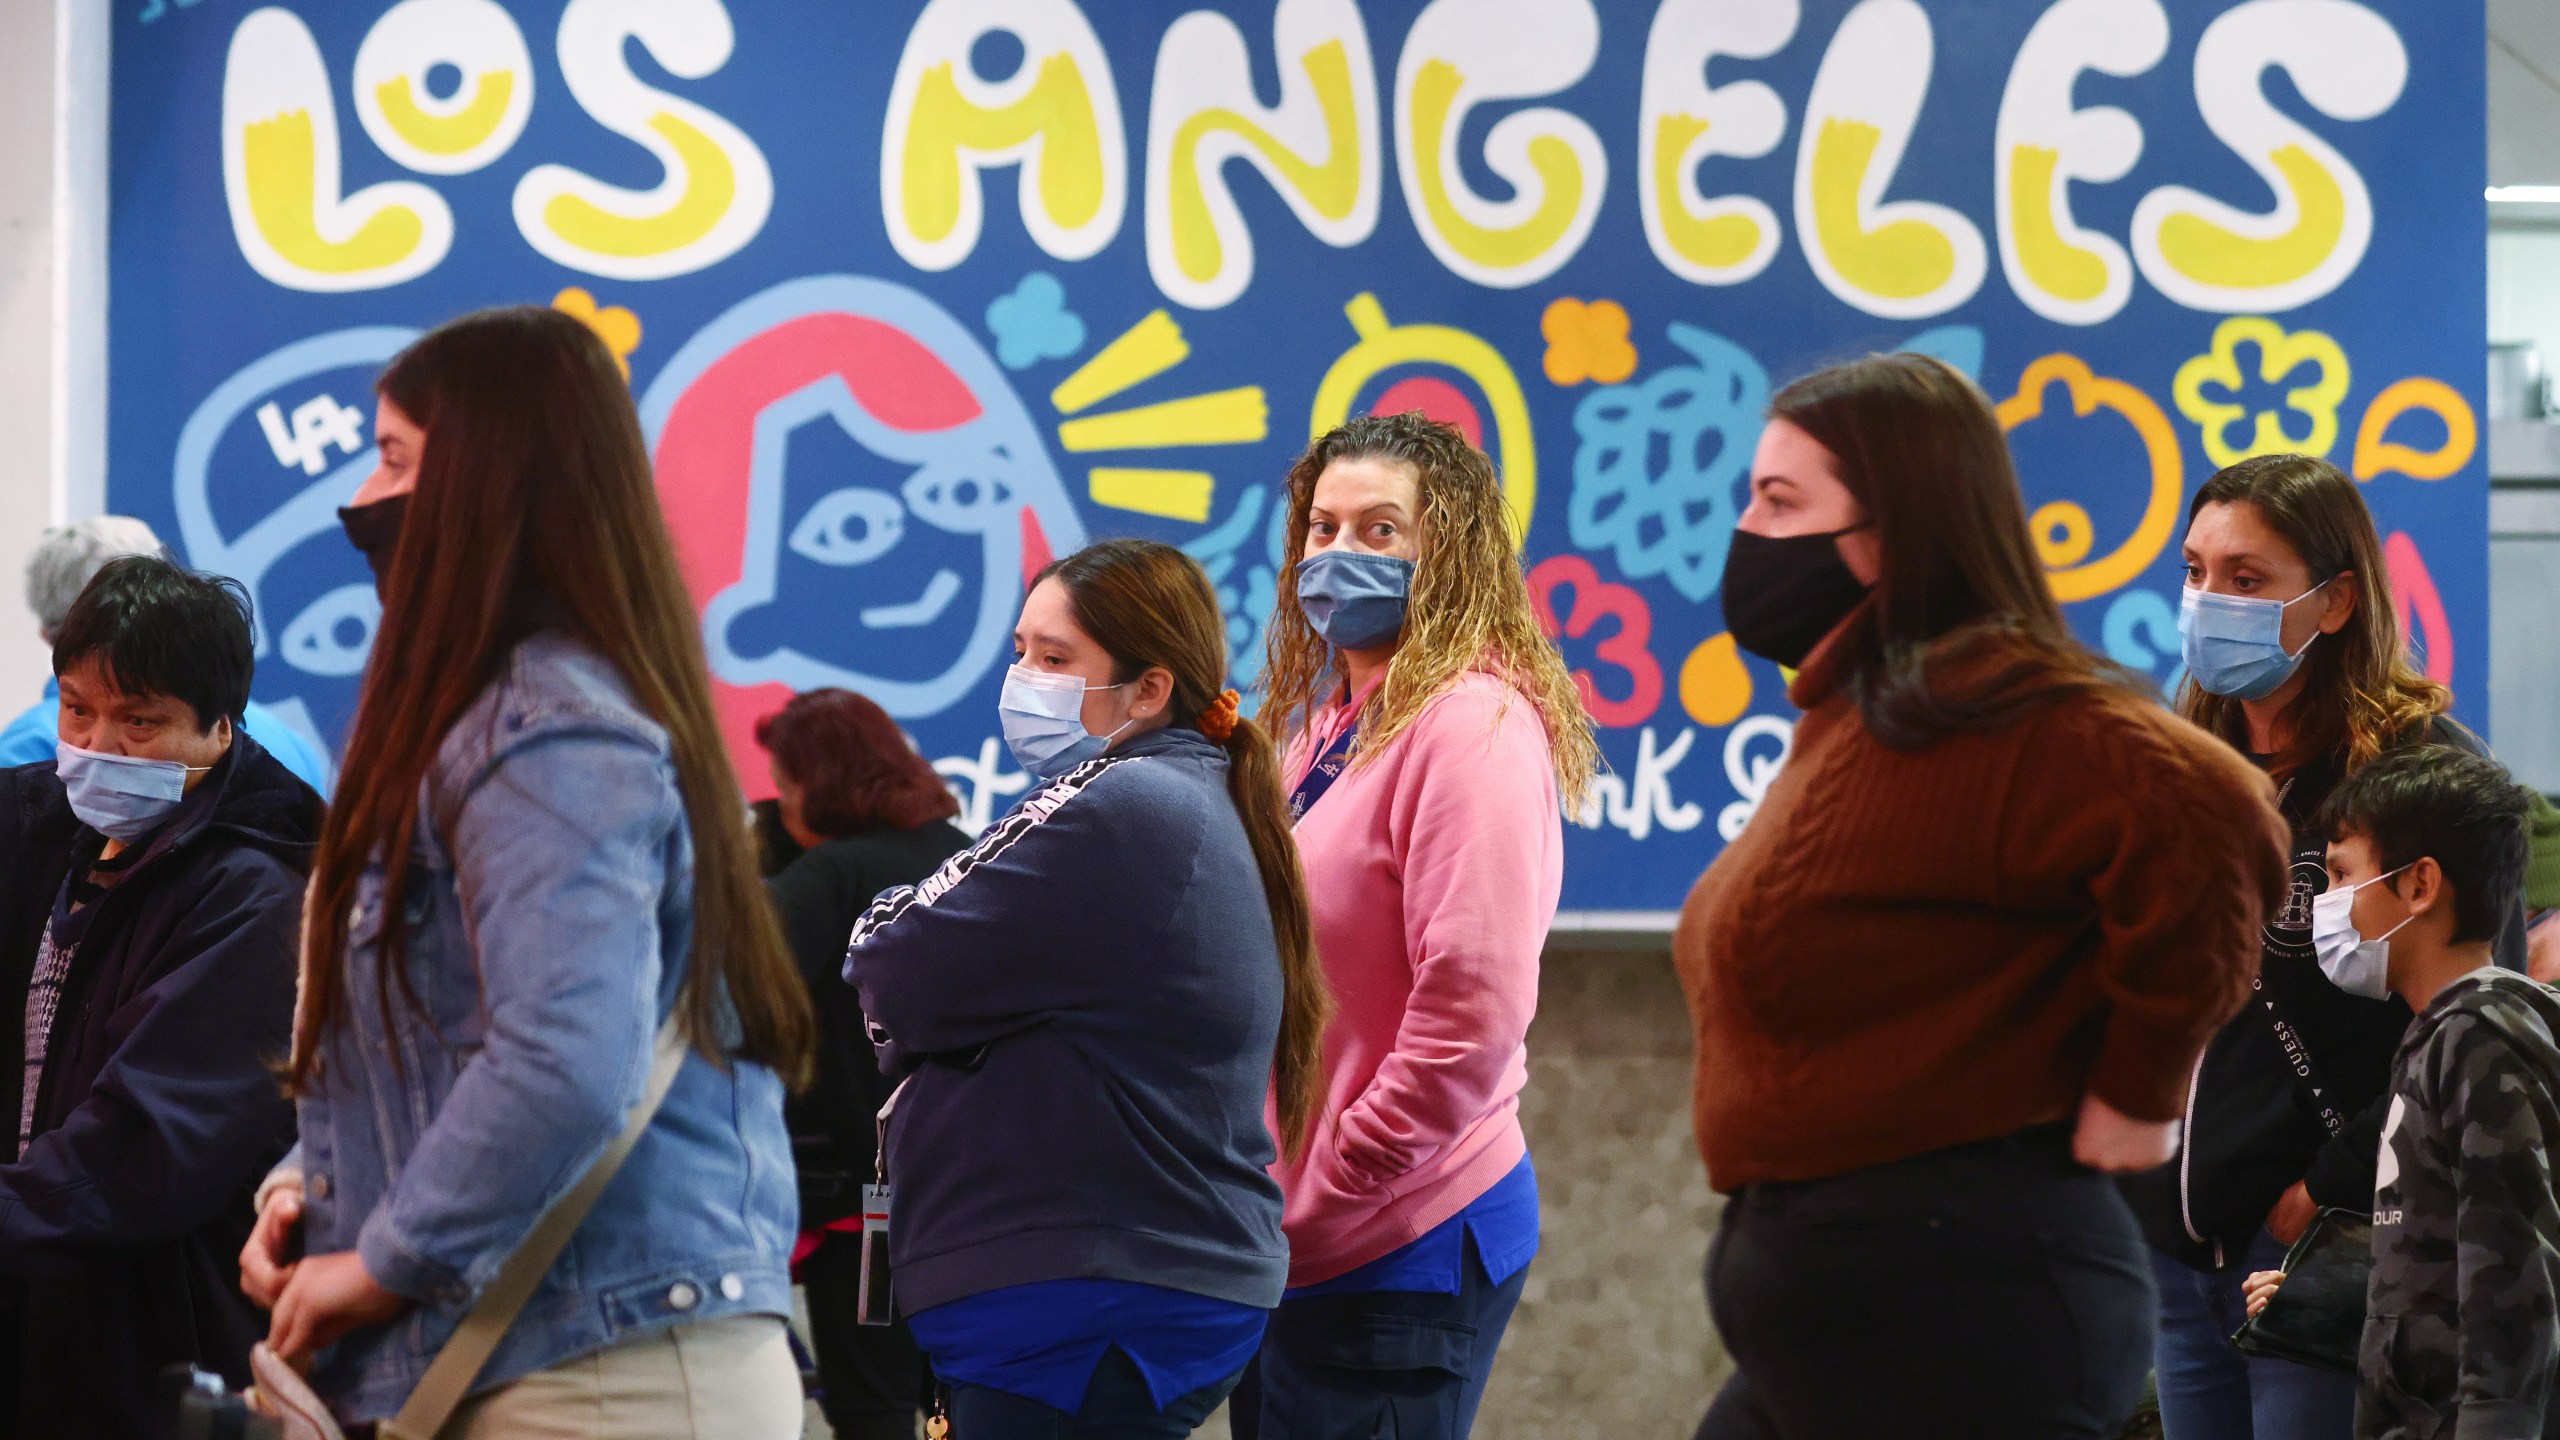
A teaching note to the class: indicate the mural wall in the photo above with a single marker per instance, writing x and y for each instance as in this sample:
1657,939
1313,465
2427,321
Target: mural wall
915,296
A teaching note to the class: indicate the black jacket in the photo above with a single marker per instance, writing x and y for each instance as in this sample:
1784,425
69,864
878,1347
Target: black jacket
2254,1123
157,1111
833,1136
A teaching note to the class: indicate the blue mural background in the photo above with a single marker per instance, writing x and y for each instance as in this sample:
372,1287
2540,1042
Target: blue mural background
1637,480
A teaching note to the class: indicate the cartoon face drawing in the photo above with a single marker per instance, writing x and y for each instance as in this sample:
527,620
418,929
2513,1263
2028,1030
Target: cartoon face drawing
260,470
857,496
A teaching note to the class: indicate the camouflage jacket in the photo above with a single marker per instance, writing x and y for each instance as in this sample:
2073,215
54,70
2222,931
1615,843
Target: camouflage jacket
2462,1331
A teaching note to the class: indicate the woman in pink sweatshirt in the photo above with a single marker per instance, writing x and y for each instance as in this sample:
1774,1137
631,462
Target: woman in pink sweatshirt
1433,729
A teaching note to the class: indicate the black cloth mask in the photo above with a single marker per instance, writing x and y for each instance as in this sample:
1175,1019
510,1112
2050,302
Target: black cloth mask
1783,593
375,531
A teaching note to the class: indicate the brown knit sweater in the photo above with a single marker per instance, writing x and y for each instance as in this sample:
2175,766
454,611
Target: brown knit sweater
1910,950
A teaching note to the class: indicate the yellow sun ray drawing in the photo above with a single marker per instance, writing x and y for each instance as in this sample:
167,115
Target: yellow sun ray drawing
1238,416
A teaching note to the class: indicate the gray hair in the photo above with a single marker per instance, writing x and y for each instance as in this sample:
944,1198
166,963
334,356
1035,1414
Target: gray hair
68,556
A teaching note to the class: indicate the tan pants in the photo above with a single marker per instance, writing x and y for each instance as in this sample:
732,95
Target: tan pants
730,1379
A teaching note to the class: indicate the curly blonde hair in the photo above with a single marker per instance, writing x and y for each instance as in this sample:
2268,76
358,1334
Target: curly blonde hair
1469,608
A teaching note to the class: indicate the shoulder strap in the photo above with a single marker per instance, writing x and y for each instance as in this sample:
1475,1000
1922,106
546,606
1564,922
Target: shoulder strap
2298,1058
2297,1054
448,1380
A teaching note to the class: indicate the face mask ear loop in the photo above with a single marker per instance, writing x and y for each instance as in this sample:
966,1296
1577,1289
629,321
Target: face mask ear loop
2315,634
2378,879
1116,729
1123,725
2404,920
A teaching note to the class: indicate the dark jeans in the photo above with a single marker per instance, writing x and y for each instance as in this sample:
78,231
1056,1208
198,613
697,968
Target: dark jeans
1116,1407
1402,1363
1996,1289
872,1379
2209,1390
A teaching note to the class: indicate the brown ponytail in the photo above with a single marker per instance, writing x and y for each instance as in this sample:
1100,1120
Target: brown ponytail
1297,1068
1149,604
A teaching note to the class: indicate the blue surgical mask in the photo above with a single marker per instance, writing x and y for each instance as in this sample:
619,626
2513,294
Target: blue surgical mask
1043,719
2234,644
123,797
2352,963
1355,600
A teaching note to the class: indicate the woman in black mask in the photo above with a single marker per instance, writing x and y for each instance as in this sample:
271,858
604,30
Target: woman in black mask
372,516
1964,956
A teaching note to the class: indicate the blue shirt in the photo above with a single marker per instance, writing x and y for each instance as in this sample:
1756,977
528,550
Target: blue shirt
32,736
1042,1341
1503,1220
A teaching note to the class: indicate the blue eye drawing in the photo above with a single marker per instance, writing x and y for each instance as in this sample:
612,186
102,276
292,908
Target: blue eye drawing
963,499
334,633
852,526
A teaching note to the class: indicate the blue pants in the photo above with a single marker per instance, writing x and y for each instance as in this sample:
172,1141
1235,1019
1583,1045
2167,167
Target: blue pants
1406,1363
1116,1406
2210,1391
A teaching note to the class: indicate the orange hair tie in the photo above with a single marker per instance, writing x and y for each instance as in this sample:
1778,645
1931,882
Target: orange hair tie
1219,720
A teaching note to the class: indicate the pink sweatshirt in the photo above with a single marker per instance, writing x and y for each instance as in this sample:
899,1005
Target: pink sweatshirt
1433,871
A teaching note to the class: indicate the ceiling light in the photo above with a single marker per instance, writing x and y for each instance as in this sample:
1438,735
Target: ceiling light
2524,194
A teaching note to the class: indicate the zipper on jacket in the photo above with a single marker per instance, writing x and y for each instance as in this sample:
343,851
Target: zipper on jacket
2186,1158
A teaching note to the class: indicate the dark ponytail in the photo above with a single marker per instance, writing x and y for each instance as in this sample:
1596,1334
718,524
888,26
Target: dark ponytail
1149,604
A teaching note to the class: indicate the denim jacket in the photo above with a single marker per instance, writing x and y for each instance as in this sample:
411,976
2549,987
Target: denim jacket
547,931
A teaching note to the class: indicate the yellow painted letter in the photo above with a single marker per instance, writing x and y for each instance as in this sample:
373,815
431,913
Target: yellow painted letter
1904,259
2060,270
280,174
2348,64
718,189
1058,117
1461,53
461,132
1681,121
1318,147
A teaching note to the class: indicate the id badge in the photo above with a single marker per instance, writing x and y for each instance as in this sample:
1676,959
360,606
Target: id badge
871,1294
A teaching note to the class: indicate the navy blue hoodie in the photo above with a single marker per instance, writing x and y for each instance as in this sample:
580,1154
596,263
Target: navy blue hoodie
157,1112
1084,1005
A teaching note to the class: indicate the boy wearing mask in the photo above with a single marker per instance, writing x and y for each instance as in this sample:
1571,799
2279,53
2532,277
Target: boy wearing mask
2462,1330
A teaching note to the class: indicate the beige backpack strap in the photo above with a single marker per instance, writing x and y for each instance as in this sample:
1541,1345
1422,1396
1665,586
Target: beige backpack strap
448,1380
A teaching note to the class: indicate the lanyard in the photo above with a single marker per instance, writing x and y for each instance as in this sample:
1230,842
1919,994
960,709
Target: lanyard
1321,775
880,1156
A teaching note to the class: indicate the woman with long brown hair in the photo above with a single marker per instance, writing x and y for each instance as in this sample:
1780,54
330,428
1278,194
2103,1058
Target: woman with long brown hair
1963,956
2294,655
1086,1010
1434,737
536,858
